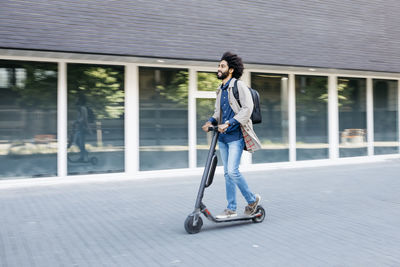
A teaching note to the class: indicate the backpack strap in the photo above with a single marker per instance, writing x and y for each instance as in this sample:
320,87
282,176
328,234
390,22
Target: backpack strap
236,92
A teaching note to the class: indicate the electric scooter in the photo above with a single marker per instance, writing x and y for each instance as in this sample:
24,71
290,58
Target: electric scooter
193,222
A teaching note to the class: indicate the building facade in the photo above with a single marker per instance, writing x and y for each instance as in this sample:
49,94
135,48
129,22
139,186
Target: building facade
100,87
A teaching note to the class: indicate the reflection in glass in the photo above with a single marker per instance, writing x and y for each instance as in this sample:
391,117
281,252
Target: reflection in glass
352,117
28,119
273,131
163,98
311,117
95,118
385,117
207,81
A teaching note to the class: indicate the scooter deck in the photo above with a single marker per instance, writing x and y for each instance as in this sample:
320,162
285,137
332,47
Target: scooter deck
242,217
236,218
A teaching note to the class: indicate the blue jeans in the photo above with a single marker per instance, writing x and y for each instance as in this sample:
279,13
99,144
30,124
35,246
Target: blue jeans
231,153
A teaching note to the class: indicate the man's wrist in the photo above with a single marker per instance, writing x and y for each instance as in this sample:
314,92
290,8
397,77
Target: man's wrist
212,120
227,122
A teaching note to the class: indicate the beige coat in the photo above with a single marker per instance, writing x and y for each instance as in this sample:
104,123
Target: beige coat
242,114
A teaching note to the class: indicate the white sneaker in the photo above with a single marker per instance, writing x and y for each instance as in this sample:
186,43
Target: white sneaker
227,214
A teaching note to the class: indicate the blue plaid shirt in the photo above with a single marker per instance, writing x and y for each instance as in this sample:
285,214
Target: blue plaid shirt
233,133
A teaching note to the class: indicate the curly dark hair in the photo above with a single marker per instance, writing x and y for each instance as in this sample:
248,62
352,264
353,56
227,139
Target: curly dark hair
234,62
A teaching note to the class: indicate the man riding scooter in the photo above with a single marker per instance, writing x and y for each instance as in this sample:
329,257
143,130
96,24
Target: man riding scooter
236,132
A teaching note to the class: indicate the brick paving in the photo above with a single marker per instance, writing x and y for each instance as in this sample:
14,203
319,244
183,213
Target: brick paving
346,215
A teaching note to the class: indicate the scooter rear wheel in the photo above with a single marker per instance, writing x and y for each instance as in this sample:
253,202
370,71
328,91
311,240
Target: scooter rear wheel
259,218
190,228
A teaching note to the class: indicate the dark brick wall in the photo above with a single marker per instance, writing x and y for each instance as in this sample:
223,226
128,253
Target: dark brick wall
334,34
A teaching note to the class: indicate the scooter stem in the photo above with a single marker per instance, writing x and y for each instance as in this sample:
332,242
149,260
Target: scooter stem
207,168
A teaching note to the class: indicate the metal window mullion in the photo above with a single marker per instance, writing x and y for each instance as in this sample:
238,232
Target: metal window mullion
131,119
398,113
292,118
62,119
370,117
333,117
192,118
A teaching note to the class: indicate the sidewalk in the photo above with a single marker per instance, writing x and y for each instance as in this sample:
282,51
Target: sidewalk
347,215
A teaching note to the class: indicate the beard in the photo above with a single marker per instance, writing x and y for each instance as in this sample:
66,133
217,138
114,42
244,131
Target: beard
223,75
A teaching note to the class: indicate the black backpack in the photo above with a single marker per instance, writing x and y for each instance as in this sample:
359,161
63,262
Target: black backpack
256,114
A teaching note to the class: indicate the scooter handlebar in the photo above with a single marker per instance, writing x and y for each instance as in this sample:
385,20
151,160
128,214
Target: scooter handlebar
213,129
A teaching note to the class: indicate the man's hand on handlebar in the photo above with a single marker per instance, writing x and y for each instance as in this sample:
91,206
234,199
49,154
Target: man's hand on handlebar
206,126
222,127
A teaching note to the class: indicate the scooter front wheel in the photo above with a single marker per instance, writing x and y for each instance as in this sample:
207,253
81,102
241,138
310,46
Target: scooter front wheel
93,160
190,228
260,218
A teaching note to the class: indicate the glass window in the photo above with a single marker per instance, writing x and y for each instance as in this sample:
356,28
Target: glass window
95,118
163,96
5,76
352,117
28,119
207,81
385,117
273,131
311,117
